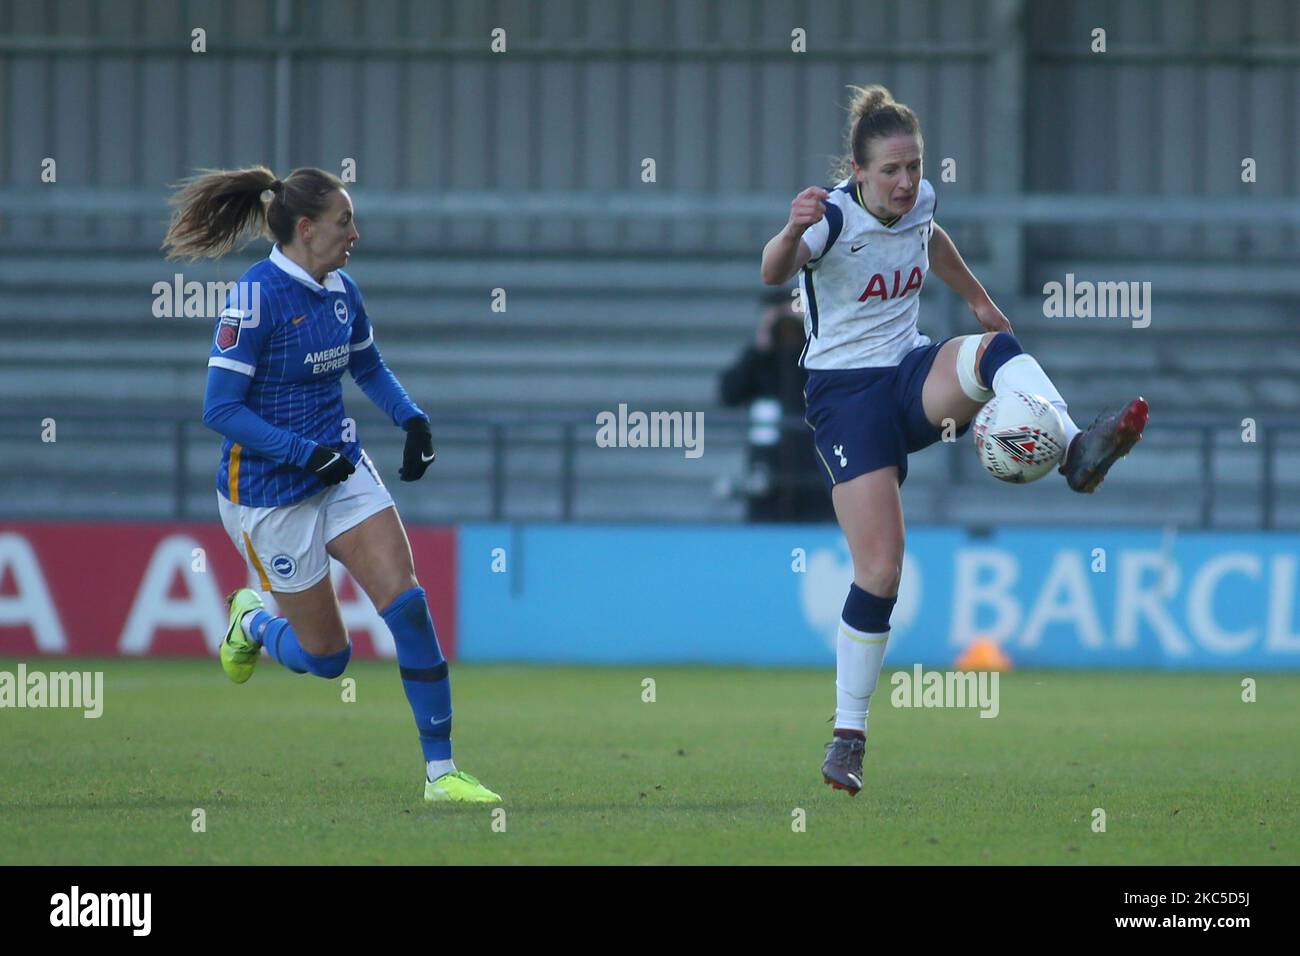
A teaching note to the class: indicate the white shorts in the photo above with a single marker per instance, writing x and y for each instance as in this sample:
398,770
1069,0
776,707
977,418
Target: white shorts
285,545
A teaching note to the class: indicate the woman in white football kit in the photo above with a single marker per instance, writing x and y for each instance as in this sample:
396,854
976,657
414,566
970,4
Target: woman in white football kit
294,487
878,389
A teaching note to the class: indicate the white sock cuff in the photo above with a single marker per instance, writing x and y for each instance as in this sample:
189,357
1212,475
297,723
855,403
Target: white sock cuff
967,369
1026,376
434,769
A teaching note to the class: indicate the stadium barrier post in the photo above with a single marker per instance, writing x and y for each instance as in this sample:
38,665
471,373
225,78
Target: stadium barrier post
1266,515
1207,476
566,471
498,470
181,469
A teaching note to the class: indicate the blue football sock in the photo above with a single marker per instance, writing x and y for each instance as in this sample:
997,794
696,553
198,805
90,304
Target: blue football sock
278,637
424,671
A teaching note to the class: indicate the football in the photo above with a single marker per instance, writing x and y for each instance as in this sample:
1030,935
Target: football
1019,437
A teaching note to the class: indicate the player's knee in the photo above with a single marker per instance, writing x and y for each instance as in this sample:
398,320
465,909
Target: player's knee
994,341
880,577
394,589
996,353
329,666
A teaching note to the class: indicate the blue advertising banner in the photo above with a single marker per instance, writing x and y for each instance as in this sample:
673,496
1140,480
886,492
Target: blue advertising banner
772,596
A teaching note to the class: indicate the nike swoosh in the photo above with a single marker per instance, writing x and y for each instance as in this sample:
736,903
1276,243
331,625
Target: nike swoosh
429,459
863,246
298,319
330,462
435,721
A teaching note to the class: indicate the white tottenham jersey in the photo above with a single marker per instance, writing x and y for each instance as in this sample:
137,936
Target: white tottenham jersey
861,287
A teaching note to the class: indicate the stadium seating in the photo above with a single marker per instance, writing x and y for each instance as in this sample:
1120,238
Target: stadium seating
577,337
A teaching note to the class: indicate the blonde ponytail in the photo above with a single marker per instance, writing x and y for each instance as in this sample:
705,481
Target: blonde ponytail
873,114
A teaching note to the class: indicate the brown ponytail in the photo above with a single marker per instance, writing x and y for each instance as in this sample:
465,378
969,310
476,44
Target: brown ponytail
213,211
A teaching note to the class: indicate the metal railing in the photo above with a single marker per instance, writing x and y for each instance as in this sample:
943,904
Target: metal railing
570,432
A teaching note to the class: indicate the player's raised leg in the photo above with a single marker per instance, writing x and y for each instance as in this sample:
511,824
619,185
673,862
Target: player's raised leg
971,369
308,639
870,513
378,555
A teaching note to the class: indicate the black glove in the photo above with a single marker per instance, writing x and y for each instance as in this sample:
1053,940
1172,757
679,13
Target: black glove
418,454
329,465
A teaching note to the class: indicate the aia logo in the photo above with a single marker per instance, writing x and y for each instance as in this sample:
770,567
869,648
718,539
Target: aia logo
877,287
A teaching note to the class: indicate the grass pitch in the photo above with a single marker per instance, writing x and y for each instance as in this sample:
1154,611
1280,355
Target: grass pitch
713,771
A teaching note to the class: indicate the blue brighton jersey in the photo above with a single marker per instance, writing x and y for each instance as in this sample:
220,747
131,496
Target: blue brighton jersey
275,373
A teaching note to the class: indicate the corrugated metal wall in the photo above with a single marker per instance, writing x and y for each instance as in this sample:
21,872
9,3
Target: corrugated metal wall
708,88
1186,91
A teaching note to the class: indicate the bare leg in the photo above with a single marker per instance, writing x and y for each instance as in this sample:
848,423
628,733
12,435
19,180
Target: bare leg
378,556
870,513
315,618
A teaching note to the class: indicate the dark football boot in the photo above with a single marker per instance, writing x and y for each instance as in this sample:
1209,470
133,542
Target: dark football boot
842,768
1104,442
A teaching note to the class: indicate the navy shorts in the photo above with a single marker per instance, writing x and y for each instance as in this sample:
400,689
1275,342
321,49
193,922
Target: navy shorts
869,418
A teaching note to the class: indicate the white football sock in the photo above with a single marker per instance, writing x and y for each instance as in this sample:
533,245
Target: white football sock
858,657
436,768
246,622
1022,373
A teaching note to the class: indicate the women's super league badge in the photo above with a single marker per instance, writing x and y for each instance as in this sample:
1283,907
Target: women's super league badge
228,330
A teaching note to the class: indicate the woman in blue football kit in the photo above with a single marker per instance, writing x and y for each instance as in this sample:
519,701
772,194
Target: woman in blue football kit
879,390
295,487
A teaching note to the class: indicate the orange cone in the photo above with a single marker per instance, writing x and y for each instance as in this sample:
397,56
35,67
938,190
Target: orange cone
983,654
